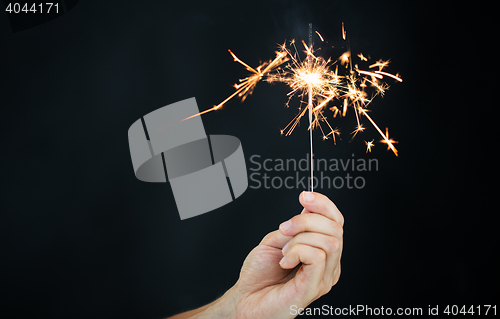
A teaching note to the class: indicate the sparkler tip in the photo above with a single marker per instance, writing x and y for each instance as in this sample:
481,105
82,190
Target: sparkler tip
314,77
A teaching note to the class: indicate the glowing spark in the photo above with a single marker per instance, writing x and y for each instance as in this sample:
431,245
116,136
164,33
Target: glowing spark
344,58
388,140
358,129
313,80
246,85
380,64
335,110
362,57
333,133
324,103
322,40
369,146
378,76
390,75
385,137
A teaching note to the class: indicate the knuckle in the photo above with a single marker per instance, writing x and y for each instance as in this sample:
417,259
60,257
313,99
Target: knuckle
290,247
338,229
297,220
266,238
302,221
293,252
341,219
319,255
333,244
307,220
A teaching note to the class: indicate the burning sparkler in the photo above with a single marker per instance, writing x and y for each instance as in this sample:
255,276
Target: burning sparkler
319,80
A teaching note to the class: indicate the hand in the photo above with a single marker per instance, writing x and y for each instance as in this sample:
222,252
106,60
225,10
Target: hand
294,265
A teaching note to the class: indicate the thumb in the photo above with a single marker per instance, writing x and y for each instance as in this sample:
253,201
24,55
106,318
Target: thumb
275,239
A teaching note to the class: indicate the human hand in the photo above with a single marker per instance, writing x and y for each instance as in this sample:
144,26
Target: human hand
294,265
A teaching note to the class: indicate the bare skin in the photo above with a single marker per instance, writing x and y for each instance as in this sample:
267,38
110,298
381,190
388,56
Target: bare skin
294,265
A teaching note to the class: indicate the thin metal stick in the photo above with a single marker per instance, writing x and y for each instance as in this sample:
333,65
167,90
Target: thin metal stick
311,186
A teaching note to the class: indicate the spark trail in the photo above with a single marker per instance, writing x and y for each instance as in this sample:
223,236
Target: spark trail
321,84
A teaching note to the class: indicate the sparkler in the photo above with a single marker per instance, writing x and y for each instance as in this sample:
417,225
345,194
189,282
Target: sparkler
310,104
319,80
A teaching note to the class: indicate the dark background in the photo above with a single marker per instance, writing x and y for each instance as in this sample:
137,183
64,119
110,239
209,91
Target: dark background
82,237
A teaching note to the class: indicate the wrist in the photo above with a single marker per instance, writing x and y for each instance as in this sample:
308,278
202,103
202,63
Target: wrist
223,308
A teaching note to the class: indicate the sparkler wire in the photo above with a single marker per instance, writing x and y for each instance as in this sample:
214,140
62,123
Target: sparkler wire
310,113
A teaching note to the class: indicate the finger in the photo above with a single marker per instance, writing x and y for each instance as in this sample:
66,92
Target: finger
309,277
332,246
275,239
311,223
320,204
305,254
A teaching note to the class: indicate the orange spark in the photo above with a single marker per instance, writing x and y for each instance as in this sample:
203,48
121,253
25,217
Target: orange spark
344,58
322,40
385,137
388,140
378,76
362,57
246,85
369,146
380,64
390,75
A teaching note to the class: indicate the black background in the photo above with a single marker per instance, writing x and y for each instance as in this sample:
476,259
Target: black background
82,237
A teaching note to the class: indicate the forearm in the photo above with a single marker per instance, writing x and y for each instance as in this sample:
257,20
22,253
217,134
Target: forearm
191,313
222,308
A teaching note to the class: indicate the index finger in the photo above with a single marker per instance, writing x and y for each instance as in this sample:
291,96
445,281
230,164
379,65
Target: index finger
320,204
275,239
